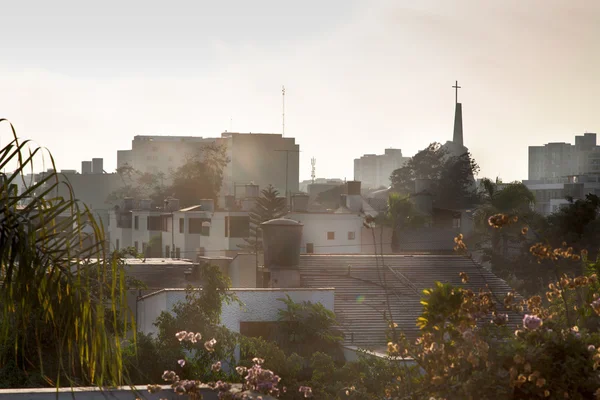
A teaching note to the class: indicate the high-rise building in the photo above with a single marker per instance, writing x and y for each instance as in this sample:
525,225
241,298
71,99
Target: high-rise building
557,160
374,170
264,159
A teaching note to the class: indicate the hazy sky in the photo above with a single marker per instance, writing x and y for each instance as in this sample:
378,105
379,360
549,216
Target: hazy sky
360,76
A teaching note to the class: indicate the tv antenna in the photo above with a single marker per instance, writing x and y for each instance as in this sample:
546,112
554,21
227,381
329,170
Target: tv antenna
313,163
283,110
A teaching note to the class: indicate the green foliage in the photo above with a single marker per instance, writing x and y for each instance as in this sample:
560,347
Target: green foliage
62,296
308,328
451,176
200,312
577,224
268,206
401,214
200,177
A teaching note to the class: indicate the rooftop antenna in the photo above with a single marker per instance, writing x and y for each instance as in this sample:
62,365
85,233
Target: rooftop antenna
313,163
283,110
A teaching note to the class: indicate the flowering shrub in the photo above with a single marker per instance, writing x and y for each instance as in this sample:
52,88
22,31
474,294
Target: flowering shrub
257,381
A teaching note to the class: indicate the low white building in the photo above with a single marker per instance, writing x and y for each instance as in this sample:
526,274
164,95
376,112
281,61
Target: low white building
184,233
338,232
259,305
330,233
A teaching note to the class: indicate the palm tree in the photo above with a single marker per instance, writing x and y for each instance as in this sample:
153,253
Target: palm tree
61,291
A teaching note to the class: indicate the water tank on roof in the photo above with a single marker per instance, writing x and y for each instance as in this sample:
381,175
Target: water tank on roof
248,203
251,191
128,203
207,205
300,202
281,242
173,205
97,165
145,204
86,167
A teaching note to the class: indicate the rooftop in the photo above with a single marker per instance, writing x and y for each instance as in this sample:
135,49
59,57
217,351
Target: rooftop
360,297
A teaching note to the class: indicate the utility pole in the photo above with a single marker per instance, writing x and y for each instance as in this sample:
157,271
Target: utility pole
287,164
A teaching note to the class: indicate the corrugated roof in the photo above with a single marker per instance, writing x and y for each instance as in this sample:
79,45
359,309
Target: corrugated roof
360,298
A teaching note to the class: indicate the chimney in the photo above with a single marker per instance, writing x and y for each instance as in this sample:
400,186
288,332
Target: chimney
354,200
353,187
423,198
97,166
281,242
300,202
86,167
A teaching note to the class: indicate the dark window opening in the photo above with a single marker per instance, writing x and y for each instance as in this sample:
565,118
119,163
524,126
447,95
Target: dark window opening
199,225
310,248
136,223
182,225
154,223
239,227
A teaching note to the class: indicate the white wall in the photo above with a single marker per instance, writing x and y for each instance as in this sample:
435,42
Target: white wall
259,305
316,226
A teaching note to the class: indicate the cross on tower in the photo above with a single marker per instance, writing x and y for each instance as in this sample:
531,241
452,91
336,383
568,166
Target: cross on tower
456,87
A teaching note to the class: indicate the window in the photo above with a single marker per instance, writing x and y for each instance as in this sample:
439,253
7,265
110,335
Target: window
351,235
199,225
310,248
239,227
167,251
177,252
182,225
144,246
226,226
117,245
154,223
330,235
135,244
136,223
456,223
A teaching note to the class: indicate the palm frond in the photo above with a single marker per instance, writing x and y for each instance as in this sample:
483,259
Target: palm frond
49,299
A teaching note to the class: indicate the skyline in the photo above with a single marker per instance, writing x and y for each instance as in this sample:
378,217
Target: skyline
359,76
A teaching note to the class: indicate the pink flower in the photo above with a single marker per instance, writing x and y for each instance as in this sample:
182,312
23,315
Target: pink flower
181,362
532,322
216,367
181,335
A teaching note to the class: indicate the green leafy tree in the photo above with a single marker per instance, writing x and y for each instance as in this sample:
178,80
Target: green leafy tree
513,199
201,176
577,223
268,206
451,176
200,312
56,280
308,328
401,215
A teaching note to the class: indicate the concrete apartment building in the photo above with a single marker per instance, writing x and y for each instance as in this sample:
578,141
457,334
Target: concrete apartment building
178,233
551,193
560,160
374,170
257,158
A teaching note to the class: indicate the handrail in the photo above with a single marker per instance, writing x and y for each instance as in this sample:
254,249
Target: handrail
400,276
